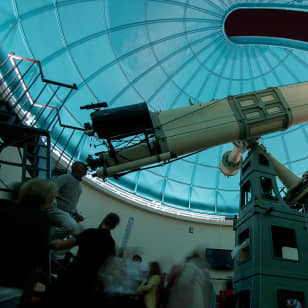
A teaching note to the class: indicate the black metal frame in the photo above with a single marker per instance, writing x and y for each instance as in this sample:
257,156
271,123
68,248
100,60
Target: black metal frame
14,129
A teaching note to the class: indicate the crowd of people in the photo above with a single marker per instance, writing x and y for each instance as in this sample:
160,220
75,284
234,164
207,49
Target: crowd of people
43,218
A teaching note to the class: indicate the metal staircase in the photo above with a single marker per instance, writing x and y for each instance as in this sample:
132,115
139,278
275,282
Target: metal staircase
27,116
33,144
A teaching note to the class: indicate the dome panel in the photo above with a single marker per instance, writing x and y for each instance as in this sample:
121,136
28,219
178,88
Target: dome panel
228,202
162,171
129,40
178,168
69,75
208,5
296,144
150,81
128,96
180,100
185,75
259,83
276,147
164,94
119,13
236,87
79,98
164,10
247,87
158,32
174,61
300,61
229,183
28,10
208,90
6,14
47,23
150,184
205,177
195,11
99,55
203,200
171,49
139,64
128,182
176,194
103,83
74,20
209,157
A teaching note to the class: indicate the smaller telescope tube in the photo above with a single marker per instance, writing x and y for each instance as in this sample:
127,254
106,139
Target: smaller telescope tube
111,171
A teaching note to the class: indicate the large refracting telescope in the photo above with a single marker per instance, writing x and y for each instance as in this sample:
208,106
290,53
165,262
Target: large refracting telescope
173,133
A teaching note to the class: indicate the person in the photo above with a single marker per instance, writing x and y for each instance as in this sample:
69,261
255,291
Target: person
175,272
173,275
70,189
148,288
77,285
24,237
118,280
227,297
66,216
133,275
193,288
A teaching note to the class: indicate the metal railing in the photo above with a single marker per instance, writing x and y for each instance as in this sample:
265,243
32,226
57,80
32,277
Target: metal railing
32,97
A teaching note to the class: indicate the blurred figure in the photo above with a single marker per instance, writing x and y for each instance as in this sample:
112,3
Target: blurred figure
133,275
119,279
148,288
24,237
227,299
66,215
78,285
173,275
193,288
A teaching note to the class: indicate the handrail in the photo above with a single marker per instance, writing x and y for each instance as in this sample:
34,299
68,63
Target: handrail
12,57
73,86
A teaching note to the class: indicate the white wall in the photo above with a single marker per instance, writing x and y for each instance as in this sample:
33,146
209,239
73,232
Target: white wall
162,238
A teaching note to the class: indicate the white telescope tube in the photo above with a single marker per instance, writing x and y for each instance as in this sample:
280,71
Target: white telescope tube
201,126
184,130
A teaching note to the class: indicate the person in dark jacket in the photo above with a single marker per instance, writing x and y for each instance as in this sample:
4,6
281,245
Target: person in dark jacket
77,286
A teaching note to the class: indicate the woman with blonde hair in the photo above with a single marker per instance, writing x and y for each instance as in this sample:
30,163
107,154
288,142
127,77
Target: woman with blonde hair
38,193
24,237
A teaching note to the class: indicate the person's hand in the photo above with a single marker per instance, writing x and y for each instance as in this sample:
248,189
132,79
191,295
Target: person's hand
48,207
39,287
56,244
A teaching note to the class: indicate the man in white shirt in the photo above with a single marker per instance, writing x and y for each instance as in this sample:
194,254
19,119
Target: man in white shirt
66,216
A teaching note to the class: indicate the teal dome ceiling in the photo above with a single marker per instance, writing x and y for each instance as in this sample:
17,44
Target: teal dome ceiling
165,53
